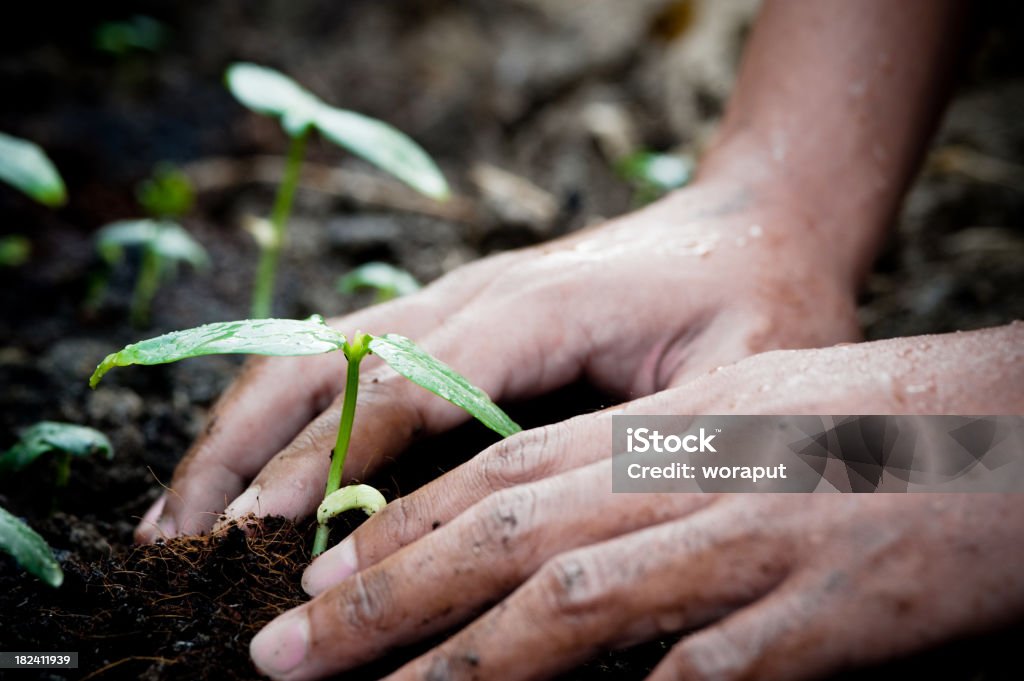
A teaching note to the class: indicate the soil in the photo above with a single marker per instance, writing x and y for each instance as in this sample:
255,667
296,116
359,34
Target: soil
516,84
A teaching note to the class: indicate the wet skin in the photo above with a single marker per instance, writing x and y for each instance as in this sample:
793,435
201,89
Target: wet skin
735,295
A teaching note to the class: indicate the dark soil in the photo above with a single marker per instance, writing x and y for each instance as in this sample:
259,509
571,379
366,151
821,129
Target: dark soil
510,83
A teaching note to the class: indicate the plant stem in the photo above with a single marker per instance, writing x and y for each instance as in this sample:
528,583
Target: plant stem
270,252
146,285
354,351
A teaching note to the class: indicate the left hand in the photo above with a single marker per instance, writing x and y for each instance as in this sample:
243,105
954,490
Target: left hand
777,587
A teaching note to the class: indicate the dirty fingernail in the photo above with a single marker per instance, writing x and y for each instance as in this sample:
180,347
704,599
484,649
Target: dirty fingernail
155,510
330,568
281,646
248,502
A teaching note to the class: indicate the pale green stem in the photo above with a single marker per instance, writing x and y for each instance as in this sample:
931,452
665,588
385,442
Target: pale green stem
270,253
146,285
354,351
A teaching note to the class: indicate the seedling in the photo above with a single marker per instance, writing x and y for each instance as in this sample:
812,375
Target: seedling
14,250
270,92
65,440
163,243
313,337
29,549
654,174
387,280
25,166
121,38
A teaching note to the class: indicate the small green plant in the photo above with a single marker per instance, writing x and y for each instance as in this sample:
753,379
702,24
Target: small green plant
653,174
29,549
138,34
15,250
313,337
387,280
167,194
163,243
65,440
25,166
270,92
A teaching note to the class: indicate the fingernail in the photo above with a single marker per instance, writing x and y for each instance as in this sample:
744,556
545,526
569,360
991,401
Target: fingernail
246,503
330,568
281,646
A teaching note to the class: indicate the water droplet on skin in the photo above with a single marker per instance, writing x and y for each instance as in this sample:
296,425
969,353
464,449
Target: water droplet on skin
755,231
917,389
857,89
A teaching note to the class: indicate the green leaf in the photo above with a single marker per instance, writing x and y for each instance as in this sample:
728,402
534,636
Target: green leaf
167,194
663,172
389,281
347,498
51,436
270,92
25,166
250,336
167,239
411,361
14,250
384,146
29,549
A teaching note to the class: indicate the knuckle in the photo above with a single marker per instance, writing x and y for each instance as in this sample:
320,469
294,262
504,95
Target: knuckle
521,458
398,524
365,602
708,656
506,517
573,584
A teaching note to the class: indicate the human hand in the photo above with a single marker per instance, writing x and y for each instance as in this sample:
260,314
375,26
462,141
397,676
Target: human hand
775,587
707,276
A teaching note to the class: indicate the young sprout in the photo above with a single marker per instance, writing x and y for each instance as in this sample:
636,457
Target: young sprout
312,337
654,174
29,549
14,250
66,440
270,92
163,244
25,166
138,34
167,194
387,280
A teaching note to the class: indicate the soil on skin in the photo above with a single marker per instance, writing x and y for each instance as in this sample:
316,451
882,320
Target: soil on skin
538,88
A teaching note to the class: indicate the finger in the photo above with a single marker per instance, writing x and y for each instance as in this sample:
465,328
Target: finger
666,578
498,346
255,417
785,636
475,560
525,457
275,398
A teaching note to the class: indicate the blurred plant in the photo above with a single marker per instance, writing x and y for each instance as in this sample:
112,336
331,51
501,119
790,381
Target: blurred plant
313,337
653,175
167,194
387,280
163,244
65,440
270,92
140,33
14,250
25,166
29,549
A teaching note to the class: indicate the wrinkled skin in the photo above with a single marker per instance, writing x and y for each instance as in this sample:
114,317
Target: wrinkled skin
736,295
710,259
784,586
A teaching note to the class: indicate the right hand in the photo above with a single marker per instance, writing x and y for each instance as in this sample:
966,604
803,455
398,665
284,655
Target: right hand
707,276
